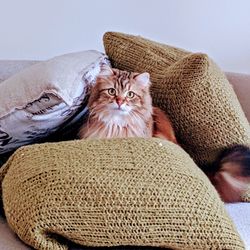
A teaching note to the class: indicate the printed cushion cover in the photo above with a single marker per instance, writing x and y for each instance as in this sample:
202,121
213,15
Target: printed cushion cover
40,99
10,67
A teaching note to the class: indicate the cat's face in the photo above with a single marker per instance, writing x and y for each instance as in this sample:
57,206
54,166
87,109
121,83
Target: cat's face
118,95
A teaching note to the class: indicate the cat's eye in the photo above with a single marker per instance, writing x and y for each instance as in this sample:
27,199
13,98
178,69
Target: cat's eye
130,94
111,91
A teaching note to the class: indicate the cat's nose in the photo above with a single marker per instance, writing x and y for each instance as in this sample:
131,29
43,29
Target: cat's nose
119,101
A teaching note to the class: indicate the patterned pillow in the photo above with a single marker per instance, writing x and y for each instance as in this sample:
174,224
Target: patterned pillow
8,67
40,99
113,192
195,93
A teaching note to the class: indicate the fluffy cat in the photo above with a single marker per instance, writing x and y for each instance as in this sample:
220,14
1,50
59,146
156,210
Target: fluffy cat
120,106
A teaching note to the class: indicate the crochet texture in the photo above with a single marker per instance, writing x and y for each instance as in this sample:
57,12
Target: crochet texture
113,192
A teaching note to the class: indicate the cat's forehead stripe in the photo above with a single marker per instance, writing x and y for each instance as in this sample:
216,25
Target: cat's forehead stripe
123,79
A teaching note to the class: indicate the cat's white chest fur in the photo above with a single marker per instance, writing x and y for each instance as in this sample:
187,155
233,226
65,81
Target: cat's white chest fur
120,125
119,119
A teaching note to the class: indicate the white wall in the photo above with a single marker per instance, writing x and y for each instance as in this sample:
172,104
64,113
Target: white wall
39,29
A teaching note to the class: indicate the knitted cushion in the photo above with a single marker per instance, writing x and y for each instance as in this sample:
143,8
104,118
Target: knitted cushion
113,192
201,103
134,53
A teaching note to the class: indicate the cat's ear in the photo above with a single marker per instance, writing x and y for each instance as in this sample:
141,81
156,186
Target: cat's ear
106,71
144,79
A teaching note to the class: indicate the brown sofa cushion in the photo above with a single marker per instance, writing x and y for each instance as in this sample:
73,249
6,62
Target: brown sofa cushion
113,192
195,93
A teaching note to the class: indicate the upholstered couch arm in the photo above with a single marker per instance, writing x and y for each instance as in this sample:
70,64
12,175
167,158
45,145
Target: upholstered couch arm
241,84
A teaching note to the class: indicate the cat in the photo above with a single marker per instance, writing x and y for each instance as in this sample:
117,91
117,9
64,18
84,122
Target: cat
120,106
230,173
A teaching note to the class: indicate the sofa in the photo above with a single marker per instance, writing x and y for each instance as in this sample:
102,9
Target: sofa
239,212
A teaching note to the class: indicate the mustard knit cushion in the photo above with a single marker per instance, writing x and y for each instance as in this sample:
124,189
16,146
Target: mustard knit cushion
201,103
135,53
114,192
203,106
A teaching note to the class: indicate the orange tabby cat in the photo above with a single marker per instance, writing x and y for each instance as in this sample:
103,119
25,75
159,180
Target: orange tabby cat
120,106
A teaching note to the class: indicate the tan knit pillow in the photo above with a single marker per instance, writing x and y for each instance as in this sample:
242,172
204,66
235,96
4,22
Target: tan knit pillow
135,53
114,192
203,106
194,92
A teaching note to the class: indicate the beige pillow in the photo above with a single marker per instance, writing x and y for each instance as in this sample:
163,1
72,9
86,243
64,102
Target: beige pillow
40,99
113,192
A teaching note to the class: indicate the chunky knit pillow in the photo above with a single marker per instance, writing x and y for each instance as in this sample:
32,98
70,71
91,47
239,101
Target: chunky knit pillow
135,53
202,104
113,192
194,92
